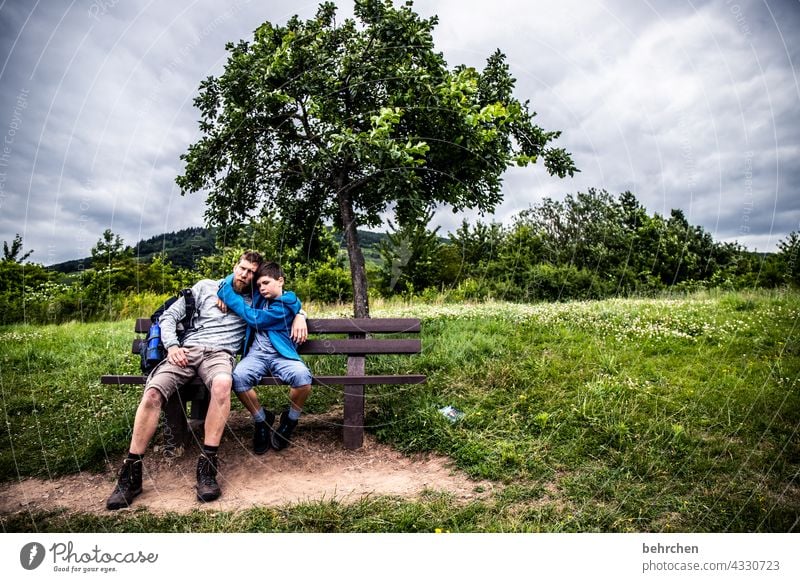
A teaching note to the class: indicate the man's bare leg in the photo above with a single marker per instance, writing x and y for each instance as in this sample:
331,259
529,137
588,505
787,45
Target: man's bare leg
129,480
219,408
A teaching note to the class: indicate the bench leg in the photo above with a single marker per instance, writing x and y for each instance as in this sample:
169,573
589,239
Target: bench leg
200,409
353,436
176,429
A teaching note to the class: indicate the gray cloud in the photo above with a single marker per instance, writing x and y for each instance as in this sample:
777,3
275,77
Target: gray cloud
688,105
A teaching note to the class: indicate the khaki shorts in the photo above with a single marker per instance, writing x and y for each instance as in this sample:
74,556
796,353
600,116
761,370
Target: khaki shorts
205,363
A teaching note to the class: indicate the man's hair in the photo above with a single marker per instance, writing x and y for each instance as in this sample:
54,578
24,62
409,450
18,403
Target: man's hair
272,270
252,257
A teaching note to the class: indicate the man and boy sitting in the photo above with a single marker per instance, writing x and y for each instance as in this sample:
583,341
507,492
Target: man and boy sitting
228,315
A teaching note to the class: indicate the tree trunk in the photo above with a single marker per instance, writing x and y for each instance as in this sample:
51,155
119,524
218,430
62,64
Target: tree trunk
358,272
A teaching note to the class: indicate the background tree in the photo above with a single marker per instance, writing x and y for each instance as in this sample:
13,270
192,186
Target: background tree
477,244
346,121
109,250
17,281
11,254
116,273
410,258
594,245
788,259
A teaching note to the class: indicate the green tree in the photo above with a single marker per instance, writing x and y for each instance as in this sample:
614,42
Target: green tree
345,121
277,241
586,231
685,251
410,258
19,283
477,244
524,246
788,259
469,252
11,254
327,282
109,250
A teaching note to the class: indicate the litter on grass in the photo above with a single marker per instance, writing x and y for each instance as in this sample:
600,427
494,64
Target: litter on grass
451,414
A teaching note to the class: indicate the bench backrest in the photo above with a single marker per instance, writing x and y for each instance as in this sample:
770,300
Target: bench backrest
356,344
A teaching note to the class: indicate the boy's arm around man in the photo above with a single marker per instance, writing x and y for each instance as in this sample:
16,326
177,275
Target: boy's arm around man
276,316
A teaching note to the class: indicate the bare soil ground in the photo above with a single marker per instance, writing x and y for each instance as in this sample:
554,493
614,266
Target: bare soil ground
315,467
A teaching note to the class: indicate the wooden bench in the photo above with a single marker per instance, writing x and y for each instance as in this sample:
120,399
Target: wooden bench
359,343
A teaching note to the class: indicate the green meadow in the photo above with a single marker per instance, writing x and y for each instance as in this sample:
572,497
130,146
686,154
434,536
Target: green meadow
677,414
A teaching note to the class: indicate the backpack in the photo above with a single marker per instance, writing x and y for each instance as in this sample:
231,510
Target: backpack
151,350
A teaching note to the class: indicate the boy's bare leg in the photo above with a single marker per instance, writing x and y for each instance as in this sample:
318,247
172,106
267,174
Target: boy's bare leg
298,396
250,400
283,434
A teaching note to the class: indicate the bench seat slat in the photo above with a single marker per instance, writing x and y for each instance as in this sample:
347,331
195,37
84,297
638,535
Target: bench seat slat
341,347
122,380
318,380
347,380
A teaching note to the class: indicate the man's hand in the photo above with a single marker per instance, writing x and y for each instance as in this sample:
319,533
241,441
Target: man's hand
177,355
299,329
222,307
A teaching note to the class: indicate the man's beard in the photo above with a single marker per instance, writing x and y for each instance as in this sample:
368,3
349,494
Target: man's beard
239,286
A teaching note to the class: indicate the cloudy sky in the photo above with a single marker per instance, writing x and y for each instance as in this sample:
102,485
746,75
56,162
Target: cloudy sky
689,104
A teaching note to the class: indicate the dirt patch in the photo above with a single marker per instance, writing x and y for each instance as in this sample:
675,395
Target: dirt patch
316,467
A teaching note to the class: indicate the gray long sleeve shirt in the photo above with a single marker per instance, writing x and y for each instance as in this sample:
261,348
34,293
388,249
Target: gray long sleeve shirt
211,327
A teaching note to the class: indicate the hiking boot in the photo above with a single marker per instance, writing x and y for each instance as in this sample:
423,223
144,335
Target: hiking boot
282,436
262,434
207,486
129,485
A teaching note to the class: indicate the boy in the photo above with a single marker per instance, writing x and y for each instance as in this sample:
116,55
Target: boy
273,351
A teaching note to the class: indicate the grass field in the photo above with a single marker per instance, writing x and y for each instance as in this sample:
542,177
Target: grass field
651,415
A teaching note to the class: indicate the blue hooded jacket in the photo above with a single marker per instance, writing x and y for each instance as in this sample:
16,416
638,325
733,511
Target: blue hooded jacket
274,316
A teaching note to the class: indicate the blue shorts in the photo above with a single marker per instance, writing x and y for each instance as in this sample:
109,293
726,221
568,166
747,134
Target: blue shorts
257,364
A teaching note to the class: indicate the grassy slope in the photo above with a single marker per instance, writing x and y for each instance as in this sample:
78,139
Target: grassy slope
619,415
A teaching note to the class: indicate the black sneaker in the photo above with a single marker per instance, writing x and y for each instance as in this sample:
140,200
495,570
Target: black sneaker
129,485
282,436
207,486
262,434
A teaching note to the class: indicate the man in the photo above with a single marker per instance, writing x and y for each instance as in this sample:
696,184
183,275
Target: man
208,351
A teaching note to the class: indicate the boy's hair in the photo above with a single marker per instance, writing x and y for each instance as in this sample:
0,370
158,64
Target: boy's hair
252,257
272,270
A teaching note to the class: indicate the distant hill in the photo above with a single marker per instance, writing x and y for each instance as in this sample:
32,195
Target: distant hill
184,247
71,266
